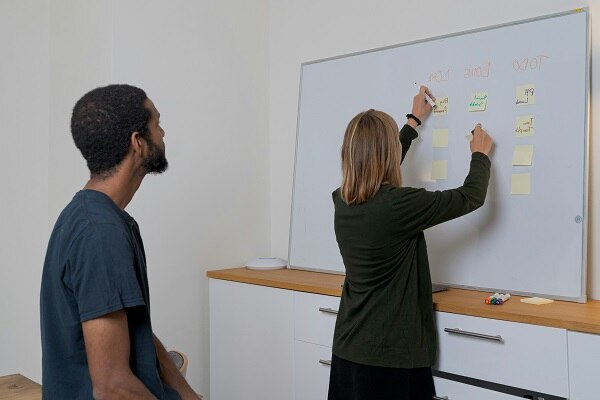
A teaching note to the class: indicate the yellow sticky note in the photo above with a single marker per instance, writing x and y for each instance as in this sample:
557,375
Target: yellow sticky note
520,184
536,300
524,126
522,154
439,169
526,94
442,104
478,101
440,138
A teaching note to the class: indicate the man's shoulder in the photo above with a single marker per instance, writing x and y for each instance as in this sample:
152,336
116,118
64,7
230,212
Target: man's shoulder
89,212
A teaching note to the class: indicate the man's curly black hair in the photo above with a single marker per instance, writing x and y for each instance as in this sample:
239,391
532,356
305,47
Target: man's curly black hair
102,123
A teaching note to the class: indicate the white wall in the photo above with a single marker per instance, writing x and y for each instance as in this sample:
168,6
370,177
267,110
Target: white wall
225,76
307,30
205,66
24,112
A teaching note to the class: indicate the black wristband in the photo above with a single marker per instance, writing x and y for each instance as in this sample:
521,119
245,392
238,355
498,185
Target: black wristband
417,120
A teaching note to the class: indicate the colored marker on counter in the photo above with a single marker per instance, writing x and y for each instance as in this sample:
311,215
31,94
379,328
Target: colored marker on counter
497,299
503,298
492,298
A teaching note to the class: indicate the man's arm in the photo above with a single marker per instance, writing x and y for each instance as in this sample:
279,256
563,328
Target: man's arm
171,375
107,348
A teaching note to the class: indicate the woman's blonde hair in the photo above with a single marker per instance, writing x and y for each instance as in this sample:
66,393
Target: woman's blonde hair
371,155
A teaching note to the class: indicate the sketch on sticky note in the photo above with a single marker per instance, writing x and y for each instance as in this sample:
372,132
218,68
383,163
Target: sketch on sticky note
526,94
478,101
441,105
524,126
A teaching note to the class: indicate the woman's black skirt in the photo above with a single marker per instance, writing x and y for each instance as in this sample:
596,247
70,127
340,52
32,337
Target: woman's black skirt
351,381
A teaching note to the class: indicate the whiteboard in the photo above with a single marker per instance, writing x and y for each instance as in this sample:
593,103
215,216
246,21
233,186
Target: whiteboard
533,244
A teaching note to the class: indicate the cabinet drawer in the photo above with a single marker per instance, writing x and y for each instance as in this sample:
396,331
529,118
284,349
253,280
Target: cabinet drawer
314,317
312,372
451,390
514,354
584,353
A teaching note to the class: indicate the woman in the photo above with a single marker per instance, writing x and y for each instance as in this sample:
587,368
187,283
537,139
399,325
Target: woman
385,340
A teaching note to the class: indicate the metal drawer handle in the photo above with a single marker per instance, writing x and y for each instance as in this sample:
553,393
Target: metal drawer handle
325,362
440,398
328,310
496,338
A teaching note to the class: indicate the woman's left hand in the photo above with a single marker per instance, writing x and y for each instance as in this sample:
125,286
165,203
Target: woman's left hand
421,107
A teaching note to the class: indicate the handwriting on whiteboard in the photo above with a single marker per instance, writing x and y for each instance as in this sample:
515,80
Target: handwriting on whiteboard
477,71
529,63
443,74
439,76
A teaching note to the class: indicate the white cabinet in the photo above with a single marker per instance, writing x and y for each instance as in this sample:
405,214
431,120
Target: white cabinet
312,371
275,344
584,353
314,318
520,355
251,342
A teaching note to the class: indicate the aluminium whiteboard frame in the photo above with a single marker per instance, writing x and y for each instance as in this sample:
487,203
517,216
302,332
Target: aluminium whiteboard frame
585,228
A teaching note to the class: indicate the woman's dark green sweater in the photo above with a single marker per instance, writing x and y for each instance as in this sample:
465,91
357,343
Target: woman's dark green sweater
386,310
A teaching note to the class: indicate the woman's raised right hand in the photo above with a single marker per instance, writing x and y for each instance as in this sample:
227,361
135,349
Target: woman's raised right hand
482,142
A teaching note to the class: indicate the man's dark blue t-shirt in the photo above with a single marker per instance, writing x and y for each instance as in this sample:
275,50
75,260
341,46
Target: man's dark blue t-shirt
95,264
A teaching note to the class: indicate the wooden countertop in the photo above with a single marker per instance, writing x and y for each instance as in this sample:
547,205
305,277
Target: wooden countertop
17,387
293,279
559,314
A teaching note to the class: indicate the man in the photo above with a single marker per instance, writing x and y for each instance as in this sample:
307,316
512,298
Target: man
97,339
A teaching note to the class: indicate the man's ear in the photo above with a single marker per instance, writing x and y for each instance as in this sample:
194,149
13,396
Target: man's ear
137,143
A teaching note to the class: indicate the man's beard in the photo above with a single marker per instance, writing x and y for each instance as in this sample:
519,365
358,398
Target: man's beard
156,162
